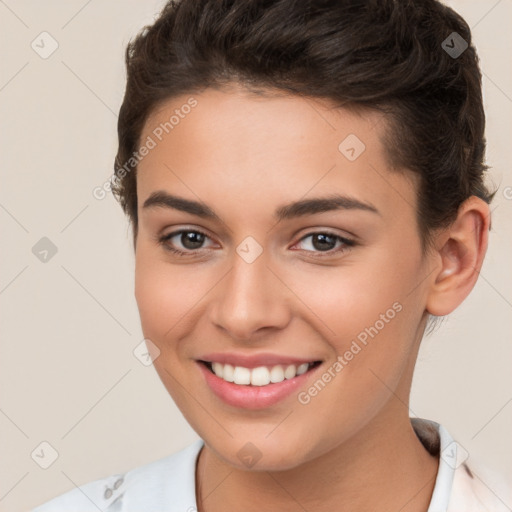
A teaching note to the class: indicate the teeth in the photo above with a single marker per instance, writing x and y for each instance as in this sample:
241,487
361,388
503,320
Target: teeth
303,368
277,374
260,376
242,375
218,369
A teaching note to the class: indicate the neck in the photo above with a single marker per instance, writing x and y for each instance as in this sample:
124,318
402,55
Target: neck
383,467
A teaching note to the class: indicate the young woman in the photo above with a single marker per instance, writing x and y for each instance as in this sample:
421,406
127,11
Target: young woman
305,183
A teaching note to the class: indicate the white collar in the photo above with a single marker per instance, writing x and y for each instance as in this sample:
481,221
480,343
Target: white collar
438,441
176,481
168,484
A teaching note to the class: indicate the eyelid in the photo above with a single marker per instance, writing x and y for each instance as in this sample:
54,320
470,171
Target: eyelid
347,242
179,231
314,229
328,233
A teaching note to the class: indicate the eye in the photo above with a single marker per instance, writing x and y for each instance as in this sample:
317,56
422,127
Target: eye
326,242
190,239
323,243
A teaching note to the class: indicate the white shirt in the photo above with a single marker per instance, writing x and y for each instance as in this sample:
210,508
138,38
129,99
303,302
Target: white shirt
168,484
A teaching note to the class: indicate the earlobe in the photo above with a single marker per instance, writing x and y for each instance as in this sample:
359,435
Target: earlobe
461,252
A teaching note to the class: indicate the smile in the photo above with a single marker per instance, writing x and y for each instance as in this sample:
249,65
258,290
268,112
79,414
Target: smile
256,387
260,376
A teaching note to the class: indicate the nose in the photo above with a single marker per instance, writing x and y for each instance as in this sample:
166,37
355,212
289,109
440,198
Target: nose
250,300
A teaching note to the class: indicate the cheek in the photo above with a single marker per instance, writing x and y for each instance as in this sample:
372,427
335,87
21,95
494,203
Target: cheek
158,292
170,297
165,296
368,316
350,298
366,311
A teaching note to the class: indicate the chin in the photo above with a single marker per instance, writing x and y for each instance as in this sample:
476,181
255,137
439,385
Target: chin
260,454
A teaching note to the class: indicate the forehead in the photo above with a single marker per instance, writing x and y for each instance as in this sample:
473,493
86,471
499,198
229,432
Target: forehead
264,123
241,144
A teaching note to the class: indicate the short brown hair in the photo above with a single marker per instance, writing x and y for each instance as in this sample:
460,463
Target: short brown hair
383,55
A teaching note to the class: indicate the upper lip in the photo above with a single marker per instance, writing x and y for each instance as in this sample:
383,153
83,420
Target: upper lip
254,360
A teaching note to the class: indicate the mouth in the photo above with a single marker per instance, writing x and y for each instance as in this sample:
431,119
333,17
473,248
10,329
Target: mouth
256,381
259,376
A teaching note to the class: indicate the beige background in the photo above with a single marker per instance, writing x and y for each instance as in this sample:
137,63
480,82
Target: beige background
68,375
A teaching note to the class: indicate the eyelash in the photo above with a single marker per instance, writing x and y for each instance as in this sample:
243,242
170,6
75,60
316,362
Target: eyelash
347,243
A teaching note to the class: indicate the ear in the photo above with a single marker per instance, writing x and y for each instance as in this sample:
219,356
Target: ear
459,254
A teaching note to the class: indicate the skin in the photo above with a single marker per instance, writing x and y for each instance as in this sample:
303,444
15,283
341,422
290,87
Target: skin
352,446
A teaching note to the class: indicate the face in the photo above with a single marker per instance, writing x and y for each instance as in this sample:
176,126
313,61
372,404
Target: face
271,274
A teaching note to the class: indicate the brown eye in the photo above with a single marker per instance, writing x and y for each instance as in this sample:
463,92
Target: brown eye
325,242
192,239
184,241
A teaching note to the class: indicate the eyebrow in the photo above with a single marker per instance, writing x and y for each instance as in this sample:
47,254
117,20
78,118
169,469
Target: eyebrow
161,199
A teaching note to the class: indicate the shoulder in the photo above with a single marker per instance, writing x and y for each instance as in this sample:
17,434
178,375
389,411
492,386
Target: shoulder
463,483
477,488
170,480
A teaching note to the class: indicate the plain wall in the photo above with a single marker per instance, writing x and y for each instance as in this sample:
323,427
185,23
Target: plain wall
69,326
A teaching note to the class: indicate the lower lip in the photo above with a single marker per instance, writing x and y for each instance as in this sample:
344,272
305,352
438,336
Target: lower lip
253,397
